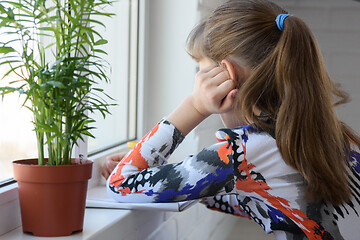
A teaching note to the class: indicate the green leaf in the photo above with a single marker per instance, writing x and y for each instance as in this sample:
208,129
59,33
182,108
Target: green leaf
12,70
101,42
6,90
100,51
55,84
87,133
6,50
9,61
2,9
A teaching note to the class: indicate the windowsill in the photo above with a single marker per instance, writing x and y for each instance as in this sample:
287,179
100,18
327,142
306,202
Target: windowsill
138,224
193,223
96,221
100,223
8,193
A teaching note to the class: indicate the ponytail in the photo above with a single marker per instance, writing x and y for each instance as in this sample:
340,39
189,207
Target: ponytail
288,84
312,140
308,133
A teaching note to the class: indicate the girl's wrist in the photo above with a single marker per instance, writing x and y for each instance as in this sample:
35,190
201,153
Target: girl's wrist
186,116
196,108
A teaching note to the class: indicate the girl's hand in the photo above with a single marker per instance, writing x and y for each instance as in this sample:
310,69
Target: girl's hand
110,164
214,91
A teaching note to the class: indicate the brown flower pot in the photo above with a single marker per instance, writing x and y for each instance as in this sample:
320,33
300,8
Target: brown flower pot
52,198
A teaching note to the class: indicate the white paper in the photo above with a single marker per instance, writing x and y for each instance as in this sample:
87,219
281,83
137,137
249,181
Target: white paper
98,198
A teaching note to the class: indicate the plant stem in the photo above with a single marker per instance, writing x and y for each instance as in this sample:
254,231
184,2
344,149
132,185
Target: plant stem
58,140
67,142
40,145
50,150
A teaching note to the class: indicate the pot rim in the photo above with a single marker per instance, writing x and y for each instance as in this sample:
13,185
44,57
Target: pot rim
33,162
28,170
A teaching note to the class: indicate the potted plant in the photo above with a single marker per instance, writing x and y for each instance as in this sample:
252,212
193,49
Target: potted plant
54,51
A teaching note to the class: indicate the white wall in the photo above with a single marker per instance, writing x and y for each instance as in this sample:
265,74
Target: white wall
168,76
169,70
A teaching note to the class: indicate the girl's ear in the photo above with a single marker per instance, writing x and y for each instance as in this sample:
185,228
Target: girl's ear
229,67
237,72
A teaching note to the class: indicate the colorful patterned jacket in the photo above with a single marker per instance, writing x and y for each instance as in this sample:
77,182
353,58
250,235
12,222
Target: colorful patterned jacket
243,174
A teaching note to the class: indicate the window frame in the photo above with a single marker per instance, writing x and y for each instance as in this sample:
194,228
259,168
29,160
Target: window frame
7,182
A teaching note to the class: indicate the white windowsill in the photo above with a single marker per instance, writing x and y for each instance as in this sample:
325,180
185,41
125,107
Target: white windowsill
138,225
95,222
8,193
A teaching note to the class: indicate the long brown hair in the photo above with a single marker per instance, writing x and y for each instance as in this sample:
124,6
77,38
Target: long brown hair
290,84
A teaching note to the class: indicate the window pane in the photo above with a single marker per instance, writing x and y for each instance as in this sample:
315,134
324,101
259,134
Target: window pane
17,140
114,128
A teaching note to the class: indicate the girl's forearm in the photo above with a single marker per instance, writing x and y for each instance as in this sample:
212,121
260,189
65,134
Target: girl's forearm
186,117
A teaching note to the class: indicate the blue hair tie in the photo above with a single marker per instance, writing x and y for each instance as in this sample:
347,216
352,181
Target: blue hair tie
280,21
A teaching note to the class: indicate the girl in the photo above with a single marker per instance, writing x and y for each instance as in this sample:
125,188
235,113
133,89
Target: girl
284,159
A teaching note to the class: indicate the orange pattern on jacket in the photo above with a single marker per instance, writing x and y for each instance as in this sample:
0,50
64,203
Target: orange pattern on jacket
249,184
133,158
225,150
124,191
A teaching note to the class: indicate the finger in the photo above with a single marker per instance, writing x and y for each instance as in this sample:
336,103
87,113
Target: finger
233,93
215,72
229,100
117,157
225,87
221,77
105,173
122,154
206,74
110,164
114,157
208,69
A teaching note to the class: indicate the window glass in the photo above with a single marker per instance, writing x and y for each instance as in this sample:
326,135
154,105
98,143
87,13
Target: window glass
113,129
18,140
